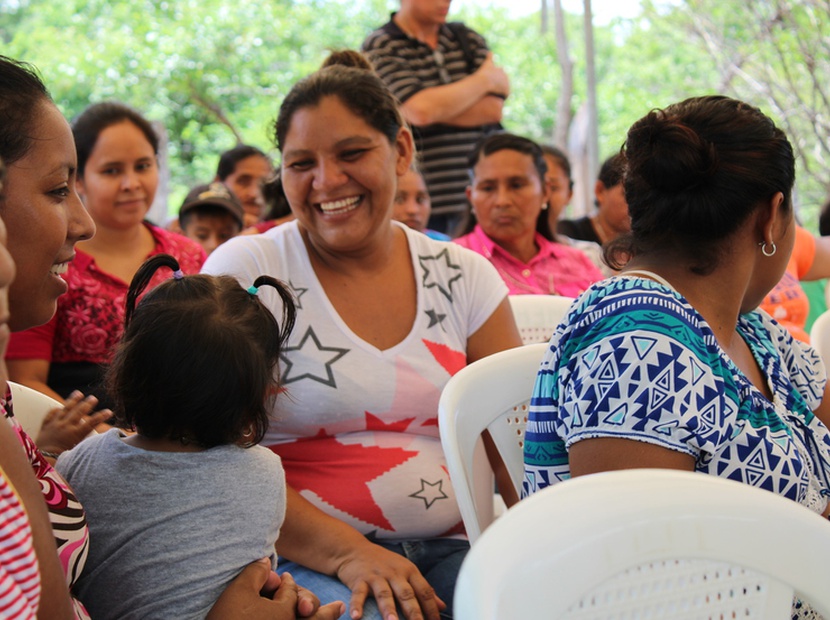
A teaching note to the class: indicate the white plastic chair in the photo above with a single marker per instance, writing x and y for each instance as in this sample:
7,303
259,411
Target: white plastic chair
492,393
30,407
820,337
538,315
647,543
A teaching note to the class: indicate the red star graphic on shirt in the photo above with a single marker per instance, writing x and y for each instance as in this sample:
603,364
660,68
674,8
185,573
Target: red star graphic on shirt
458,528
374,423
364,464
451,360
412,392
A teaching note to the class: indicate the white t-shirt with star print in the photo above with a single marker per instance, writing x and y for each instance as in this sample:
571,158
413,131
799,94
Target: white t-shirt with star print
357,428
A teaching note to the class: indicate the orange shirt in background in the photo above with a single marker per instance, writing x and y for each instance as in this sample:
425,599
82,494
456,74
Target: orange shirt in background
787,302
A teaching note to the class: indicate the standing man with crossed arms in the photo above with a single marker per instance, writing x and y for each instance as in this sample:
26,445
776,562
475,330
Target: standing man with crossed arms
451,93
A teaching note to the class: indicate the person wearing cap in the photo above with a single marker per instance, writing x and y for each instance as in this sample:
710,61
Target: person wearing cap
210,215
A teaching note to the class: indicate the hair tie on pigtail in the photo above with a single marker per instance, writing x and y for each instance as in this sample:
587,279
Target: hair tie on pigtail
253,290
178,274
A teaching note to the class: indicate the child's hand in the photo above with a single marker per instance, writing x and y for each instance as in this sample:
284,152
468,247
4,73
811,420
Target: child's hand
63,429
272,582
307,602
242,599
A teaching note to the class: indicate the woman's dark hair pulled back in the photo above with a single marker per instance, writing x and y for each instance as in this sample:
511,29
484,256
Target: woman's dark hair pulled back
561,159
695,171
504,141
21,94
229,159
96,118
360,90
198,357
347,58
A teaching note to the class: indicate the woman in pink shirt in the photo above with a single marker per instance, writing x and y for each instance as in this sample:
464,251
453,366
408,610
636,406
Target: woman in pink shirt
508,192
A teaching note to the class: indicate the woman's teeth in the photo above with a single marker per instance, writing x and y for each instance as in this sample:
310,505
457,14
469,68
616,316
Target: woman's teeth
339,206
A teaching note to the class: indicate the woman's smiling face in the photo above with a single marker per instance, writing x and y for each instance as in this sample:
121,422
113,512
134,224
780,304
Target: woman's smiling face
44,218
120,177
340,175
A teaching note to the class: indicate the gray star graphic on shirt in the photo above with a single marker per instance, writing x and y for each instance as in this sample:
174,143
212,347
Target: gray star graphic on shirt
436,319
298,293
430,492
430,266
314,362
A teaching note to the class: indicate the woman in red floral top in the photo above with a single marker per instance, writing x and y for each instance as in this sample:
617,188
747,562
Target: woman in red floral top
117,180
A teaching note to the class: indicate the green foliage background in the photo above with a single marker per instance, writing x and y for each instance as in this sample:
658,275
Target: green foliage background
213,71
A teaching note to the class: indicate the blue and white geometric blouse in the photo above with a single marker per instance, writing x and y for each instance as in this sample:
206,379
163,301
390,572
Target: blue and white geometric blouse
634,360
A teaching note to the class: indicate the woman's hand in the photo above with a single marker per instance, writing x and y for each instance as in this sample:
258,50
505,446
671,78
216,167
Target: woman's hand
243,599
327,545
390,578
63,429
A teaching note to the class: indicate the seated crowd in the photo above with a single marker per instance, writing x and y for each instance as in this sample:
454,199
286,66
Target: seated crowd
275,358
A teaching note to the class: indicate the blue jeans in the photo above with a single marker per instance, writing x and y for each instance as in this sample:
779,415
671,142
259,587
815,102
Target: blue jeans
438,560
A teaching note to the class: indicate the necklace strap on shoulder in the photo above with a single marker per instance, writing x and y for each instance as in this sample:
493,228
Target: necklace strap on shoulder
649,275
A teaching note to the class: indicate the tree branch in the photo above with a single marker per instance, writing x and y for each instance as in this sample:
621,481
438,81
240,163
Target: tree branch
214,109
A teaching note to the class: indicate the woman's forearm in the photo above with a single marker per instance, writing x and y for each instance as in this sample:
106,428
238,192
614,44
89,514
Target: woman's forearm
314,539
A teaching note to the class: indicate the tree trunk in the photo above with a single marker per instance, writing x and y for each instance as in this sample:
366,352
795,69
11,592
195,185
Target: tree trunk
590,74
564,114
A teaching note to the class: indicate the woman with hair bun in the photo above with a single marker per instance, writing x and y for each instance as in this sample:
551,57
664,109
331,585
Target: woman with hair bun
385,316
670,364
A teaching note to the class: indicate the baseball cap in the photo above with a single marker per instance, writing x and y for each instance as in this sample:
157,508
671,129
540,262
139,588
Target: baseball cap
215,194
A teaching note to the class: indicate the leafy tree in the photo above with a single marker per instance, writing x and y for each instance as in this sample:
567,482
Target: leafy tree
213,72
776,55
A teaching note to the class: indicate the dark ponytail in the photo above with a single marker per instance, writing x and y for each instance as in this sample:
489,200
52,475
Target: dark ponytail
143,277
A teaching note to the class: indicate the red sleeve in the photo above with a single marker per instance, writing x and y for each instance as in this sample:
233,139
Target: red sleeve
265,226
191,255
34,343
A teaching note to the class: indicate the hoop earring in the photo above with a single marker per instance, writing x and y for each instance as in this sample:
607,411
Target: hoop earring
765,252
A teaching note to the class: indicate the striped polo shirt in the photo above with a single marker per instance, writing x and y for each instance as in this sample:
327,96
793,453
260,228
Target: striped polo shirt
408,66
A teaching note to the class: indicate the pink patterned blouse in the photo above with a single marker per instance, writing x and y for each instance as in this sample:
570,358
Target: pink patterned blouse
555,270
65,512
19,579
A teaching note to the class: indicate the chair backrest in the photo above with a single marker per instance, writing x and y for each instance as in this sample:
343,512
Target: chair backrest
647,543
492,393
538,315
30,407
820,336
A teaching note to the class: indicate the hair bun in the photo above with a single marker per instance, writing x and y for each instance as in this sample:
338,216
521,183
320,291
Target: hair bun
678,158
347,58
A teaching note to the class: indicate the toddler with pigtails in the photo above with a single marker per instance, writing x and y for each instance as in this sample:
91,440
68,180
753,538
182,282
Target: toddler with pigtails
179,508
